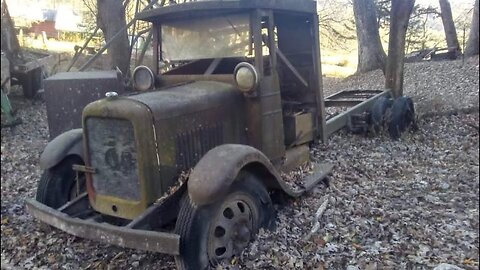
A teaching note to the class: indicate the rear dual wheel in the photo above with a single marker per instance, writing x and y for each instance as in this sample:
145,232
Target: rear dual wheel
217,232
402,117
379,113
395,115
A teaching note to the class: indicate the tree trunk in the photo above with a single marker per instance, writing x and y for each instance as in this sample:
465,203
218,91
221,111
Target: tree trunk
449,27
111,19
10,45
399,16
472,43
371,55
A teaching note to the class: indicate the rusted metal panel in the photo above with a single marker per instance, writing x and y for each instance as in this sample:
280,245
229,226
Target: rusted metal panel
272,132
186,115
66,94
168,243
188,98
198,132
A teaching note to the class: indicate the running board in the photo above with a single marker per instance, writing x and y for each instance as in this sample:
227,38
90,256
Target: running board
321,171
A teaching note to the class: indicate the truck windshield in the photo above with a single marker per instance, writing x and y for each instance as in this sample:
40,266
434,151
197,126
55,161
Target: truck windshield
213,37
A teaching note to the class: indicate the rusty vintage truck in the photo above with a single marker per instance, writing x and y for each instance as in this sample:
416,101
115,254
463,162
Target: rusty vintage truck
234,99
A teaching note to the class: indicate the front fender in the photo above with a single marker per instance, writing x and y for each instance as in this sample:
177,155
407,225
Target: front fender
216,171
65,144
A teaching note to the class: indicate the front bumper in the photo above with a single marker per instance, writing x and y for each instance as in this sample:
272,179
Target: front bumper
167,243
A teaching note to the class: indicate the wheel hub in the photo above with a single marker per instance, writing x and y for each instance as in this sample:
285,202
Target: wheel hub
241,233
231,230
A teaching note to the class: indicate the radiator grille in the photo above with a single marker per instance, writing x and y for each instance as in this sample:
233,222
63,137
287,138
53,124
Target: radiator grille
193,144
112,152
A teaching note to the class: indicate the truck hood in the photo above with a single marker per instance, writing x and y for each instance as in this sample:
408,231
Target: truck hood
188,98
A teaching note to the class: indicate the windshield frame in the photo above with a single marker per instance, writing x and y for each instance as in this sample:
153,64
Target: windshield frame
205,31
158,51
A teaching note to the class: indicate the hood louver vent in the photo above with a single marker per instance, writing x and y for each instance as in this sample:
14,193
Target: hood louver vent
193,144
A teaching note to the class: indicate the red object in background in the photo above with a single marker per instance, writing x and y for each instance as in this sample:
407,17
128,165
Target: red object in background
47,26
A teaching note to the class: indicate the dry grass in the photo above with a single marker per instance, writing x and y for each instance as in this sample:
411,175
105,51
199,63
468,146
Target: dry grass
337,64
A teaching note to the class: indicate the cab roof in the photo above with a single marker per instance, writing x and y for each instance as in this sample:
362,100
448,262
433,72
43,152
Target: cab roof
216,7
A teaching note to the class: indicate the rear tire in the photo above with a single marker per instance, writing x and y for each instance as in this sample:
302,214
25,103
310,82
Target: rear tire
403,116
58,185
215,232
378,113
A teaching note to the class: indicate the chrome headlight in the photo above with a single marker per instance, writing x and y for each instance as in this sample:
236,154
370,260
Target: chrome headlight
246,77
143,78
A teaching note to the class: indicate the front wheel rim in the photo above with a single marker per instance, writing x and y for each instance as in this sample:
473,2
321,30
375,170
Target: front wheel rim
232,228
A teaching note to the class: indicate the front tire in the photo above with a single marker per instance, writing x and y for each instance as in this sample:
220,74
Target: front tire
216,232
58,185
